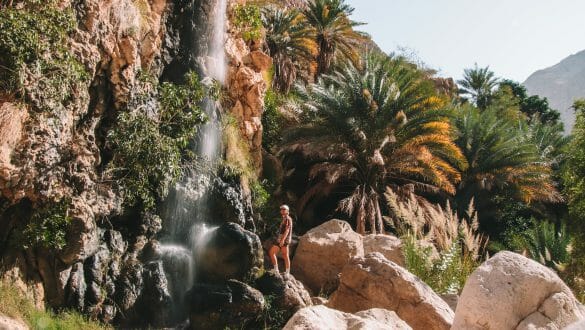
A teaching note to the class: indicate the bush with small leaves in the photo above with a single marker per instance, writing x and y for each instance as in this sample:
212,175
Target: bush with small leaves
35,63
47,227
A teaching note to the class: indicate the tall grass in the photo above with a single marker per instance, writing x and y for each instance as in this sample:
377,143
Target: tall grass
424,228
15,305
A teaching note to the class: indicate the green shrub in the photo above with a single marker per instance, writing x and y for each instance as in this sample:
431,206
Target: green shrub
272,121
145,161
47,227
248,20
445,274
149,154
17,306
272,318
33,48
260,195
546,243
180,111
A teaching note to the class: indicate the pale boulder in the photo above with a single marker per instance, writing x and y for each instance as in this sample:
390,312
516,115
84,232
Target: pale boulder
8,323
576,326
389,246
324,318
323,252
375,282
510,291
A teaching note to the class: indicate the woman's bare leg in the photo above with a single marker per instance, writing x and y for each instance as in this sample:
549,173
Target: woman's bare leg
272,253
284,251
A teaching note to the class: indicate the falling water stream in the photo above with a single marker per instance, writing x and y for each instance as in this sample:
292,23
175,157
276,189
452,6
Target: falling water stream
188,208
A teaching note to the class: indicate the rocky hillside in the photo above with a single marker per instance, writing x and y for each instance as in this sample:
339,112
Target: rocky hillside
86,102
561,84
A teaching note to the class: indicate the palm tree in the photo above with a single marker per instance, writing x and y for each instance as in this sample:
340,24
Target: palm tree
290,43
333,32
500,158
370,128
478,83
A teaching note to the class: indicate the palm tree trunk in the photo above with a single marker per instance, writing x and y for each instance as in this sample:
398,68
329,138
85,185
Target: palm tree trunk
361,219
325,57
379,216
372,215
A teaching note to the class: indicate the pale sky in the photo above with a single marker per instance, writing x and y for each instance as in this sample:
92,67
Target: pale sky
514,37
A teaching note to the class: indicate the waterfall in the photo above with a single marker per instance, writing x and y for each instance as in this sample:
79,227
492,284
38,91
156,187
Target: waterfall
187,205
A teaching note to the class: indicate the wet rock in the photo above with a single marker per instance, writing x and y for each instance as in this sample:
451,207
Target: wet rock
76,288
129,288
156,300
288,294
229,203
217,306
230,252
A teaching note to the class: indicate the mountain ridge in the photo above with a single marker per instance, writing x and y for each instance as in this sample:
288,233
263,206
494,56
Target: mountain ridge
561,84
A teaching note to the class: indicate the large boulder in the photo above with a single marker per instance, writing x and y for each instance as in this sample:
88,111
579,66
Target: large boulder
230,252
8,323
288,293
323,252
229,305
324,318
389,246
375,282
510,291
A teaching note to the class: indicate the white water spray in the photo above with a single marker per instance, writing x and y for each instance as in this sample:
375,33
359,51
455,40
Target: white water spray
187,210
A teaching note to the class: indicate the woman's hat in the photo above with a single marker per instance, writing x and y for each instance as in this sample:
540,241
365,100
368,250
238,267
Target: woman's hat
284,206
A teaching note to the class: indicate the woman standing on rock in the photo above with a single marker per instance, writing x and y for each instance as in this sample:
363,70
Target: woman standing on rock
283,240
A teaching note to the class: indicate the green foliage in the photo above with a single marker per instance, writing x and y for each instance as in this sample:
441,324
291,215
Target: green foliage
533,106
479,84
248,20
148,153
334,34
272,121
180,113
33,47
260,195
367,128
47,227
272,317
573,175
503,162
574,169
145,161
445,274
548,244
290,43
16,305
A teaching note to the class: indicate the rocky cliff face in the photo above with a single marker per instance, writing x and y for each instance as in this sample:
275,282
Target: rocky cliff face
62,154
561,84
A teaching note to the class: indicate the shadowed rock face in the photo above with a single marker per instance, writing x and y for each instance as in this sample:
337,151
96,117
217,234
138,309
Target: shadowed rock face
288,293
230,304
561,84
231,252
